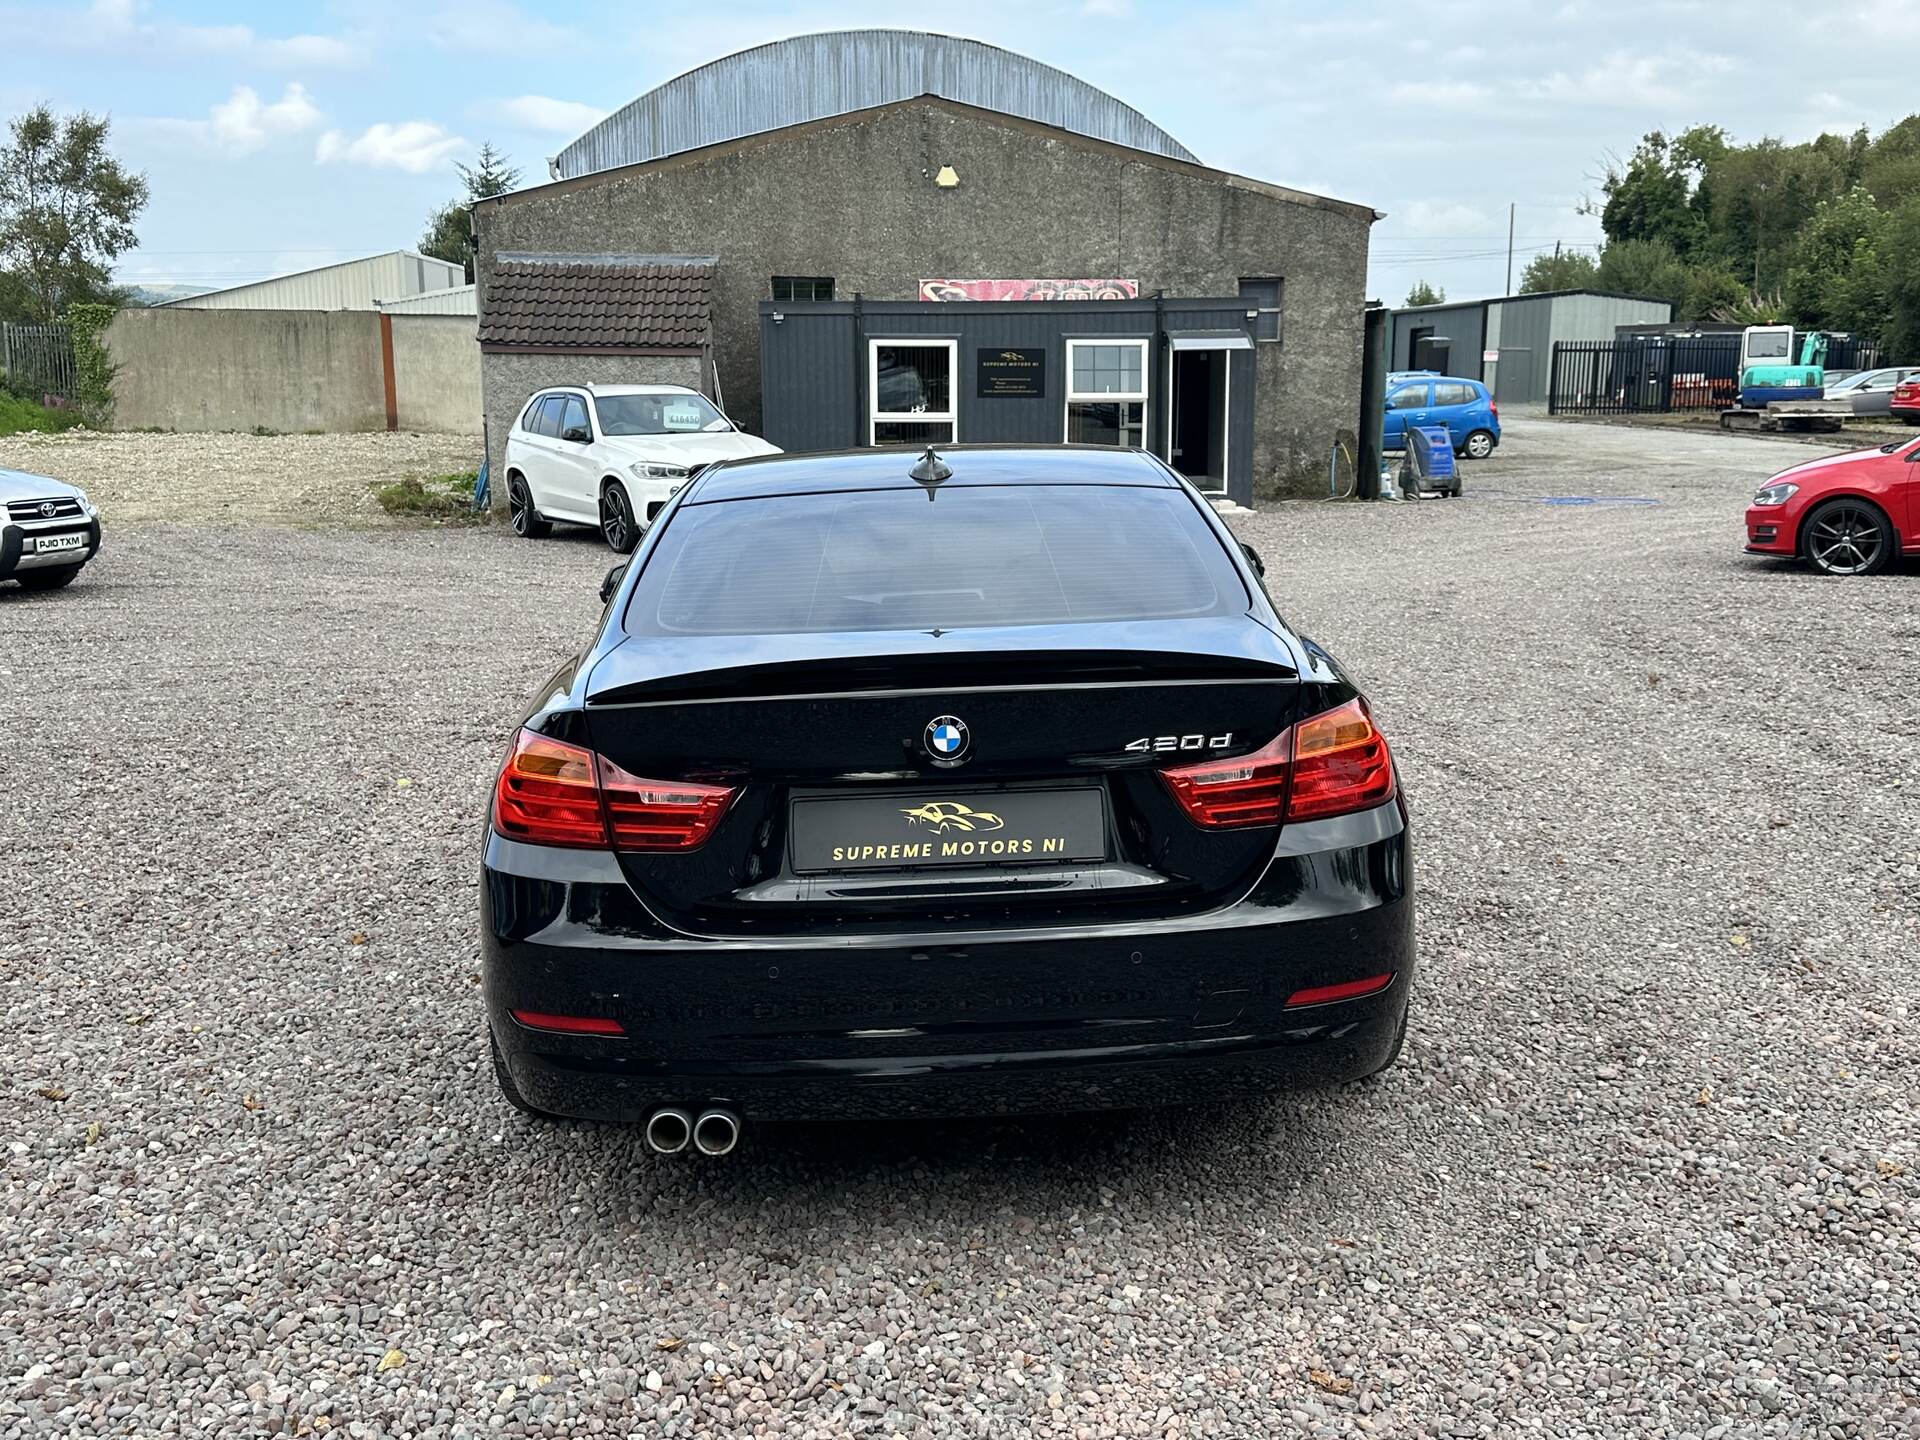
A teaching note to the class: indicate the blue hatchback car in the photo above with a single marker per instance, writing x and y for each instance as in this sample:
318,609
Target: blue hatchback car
1464,406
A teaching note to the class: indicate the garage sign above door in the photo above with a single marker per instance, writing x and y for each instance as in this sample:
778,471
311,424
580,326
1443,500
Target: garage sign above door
1029,289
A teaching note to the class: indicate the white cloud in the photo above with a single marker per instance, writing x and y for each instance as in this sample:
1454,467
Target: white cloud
121,24
496,27
243,123
1623,80
1444,217
415,146
1442,94
540,112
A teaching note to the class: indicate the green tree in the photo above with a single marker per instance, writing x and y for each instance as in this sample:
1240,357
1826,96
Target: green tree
1900,338
1644,267
1835,280
1424,294
449,233
1562,270
67,210
1891,168
1656,194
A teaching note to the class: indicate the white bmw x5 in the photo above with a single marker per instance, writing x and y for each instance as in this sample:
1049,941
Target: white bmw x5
611,455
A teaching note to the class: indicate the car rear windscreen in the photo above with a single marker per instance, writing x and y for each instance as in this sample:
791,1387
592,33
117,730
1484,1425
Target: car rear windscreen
976,556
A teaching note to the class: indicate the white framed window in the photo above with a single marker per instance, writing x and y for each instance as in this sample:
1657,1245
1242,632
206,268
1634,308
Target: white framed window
1106,392
913,392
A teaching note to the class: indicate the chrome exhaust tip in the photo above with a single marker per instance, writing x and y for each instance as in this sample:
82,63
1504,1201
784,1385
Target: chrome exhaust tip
668,1130
716,1132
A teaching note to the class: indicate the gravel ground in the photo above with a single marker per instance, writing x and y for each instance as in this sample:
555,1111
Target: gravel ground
215,479
1649,1166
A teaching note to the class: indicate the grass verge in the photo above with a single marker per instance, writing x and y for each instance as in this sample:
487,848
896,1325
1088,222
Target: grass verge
19,416
445,499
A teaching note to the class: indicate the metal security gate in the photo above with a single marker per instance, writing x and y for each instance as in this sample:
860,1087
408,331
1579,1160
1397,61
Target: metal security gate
1658,374
37,360
1650,376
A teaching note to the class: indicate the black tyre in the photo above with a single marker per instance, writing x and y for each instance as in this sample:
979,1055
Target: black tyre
1847,536
48,579
617,525
1478,445
527,522
504,1078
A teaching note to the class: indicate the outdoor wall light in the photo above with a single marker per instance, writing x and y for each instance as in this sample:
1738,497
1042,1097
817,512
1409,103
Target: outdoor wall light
778,317
947,178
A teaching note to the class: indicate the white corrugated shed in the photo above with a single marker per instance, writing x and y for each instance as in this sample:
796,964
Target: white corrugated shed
352,285
454,300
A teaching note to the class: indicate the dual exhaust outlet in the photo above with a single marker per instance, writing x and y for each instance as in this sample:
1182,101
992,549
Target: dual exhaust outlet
712,1132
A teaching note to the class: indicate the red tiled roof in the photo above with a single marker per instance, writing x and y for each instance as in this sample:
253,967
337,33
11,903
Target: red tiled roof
603,306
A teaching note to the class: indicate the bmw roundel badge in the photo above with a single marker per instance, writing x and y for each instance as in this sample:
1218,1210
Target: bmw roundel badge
947,739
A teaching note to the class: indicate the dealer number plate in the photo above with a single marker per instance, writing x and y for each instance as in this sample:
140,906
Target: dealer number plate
947,828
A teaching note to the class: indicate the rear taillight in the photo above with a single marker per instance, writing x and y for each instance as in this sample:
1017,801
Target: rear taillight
1230,794
553,793
660,814
546,796
1493,408
1331,764
1340,764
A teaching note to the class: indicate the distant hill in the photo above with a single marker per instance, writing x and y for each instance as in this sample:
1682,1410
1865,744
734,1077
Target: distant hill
160,294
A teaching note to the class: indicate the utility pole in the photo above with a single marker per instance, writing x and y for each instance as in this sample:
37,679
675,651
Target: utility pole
1510,208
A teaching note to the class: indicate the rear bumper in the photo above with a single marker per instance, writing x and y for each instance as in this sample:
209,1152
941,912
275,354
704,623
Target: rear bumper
929,1024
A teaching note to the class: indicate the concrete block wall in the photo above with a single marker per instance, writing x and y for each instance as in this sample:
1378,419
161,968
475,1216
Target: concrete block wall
436,373
291,371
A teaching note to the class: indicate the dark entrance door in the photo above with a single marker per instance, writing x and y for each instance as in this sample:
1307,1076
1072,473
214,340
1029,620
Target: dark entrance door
1429,351
1200,416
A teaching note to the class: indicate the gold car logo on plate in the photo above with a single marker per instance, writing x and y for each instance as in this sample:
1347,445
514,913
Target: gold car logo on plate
941,816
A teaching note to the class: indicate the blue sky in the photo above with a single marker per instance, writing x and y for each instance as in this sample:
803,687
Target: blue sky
281,136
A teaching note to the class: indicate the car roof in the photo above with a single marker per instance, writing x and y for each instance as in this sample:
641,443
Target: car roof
887,469
596,388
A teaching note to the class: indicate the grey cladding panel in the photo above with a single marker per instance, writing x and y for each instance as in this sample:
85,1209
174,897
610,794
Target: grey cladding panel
811,77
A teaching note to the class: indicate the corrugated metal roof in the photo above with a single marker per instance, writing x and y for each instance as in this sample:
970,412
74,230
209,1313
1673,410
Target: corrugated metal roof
350,285
559,303
454,300
811,77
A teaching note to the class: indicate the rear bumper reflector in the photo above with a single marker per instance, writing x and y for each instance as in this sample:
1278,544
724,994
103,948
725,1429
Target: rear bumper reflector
1348,990
569,1024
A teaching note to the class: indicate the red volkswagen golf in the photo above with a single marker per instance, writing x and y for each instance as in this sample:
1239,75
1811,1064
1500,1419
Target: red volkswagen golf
1843,514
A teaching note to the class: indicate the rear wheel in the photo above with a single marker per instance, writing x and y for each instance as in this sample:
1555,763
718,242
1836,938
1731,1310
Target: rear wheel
504,1078
1847,537
617,525
527,521
48,579
1479,445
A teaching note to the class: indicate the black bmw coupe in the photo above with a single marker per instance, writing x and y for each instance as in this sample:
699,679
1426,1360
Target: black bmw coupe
961,784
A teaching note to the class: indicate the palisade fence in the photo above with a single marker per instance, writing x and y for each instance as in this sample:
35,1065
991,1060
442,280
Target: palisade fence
1658,374
37,361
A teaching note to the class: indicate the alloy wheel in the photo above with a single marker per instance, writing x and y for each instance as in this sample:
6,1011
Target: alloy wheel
1479,445
615,523
519,506
1845,540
